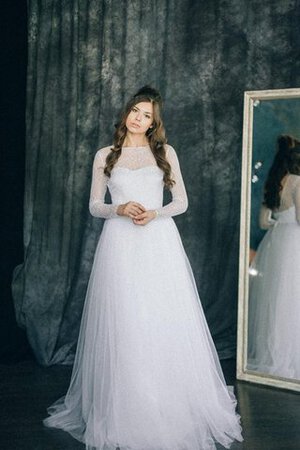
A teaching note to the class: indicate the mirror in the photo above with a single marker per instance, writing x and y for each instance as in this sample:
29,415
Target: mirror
269,267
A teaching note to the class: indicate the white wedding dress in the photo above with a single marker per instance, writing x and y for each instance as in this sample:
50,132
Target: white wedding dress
274,290
146,374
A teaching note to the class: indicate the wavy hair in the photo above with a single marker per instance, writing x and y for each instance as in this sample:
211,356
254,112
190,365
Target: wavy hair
156,134
287,160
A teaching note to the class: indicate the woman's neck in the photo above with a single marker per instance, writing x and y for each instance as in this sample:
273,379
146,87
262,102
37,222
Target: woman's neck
135,141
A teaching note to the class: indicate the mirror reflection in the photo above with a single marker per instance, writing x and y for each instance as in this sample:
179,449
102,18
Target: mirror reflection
269,288
274,283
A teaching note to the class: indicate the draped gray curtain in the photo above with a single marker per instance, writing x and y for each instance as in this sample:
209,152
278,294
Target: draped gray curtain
86,57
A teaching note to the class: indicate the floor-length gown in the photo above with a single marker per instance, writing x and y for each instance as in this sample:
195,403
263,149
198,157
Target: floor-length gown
274,291
146,374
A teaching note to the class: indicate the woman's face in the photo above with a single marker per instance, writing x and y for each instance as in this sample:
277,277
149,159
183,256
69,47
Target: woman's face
140,118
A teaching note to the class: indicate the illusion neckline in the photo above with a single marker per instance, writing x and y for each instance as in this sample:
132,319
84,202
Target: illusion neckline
136,146
153,166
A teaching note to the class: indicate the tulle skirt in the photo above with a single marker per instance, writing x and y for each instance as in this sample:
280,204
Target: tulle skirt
274,303
146,374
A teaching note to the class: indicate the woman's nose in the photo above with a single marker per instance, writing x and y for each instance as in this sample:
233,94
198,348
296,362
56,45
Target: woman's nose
138,116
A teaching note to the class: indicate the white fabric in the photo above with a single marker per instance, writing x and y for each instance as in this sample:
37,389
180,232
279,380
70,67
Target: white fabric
290,195
146,374
266,220
135,158
274,292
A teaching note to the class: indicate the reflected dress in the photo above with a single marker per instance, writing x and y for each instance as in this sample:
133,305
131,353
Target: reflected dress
274,290
146,374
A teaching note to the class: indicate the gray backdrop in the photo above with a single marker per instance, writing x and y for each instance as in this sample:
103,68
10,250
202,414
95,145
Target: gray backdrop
85,59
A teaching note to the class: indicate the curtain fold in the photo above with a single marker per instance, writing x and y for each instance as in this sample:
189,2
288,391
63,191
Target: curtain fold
86,58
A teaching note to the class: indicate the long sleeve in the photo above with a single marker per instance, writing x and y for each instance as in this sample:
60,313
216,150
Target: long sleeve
179,203
265,218
296,198
97,206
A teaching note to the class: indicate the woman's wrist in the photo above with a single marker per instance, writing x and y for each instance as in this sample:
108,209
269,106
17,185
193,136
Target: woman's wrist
120,210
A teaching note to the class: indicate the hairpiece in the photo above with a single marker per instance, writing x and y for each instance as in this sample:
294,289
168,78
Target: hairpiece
148,91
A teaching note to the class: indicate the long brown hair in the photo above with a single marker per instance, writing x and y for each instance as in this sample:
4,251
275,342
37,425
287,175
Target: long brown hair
287,160
156,134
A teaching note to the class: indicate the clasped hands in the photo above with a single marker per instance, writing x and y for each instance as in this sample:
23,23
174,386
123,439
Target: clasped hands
136,212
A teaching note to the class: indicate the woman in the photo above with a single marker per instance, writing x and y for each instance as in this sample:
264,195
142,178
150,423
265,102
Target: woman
274,290
146,374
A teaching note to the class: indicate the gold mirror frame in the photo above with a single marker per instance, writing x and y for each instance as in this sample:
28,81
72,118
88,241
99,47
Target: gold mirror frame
250,97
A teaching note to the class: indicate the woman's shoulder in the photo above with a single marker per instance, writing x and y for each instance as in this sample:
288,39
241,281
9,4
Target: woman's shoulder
169,147
294,178
170,150
293,181
171,154
102,152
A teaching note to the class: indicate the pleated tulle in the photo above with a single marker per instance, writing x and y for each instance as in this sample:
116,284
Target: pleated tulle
274,301
146,374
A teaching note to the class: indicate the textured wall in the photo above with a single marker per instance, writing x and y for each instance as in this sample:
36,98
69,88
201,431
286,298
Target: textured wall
85,59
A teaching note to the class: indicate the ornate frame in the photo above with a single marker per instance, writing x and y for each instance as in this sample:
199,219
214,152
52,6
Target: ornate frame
242,339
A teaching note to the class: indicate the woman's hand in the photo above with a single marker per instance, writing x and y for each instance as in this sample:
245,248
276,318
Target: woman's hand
144,217
130,209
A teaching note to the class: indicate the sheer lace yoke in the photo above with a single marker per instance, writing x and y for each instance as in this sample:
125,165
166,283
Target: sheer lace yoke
135,158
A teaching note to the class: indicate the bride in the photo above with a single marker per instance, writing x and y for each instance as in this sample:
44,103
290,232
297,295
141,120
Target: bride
146,374
274,286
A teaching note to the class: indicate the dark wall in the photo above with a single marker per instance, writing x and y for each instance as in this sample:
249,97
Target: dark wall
216,50
13,342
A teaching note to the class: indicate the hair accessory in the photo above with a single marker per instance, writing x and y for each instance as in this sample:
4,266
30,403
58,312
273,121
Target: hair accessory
148,91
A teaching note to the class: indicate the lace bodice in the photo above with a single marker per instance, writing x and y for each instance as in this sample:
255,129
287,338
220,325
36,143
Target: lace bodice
133,159
289,197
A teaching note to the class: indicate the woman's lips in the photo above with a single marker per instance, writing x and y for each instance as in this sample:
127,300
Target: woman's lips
135,125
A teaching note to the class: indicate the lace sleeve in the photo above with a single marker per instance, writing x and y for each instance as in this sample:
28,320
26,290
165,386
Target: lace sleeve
296,198
265,218
179,202
98,189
